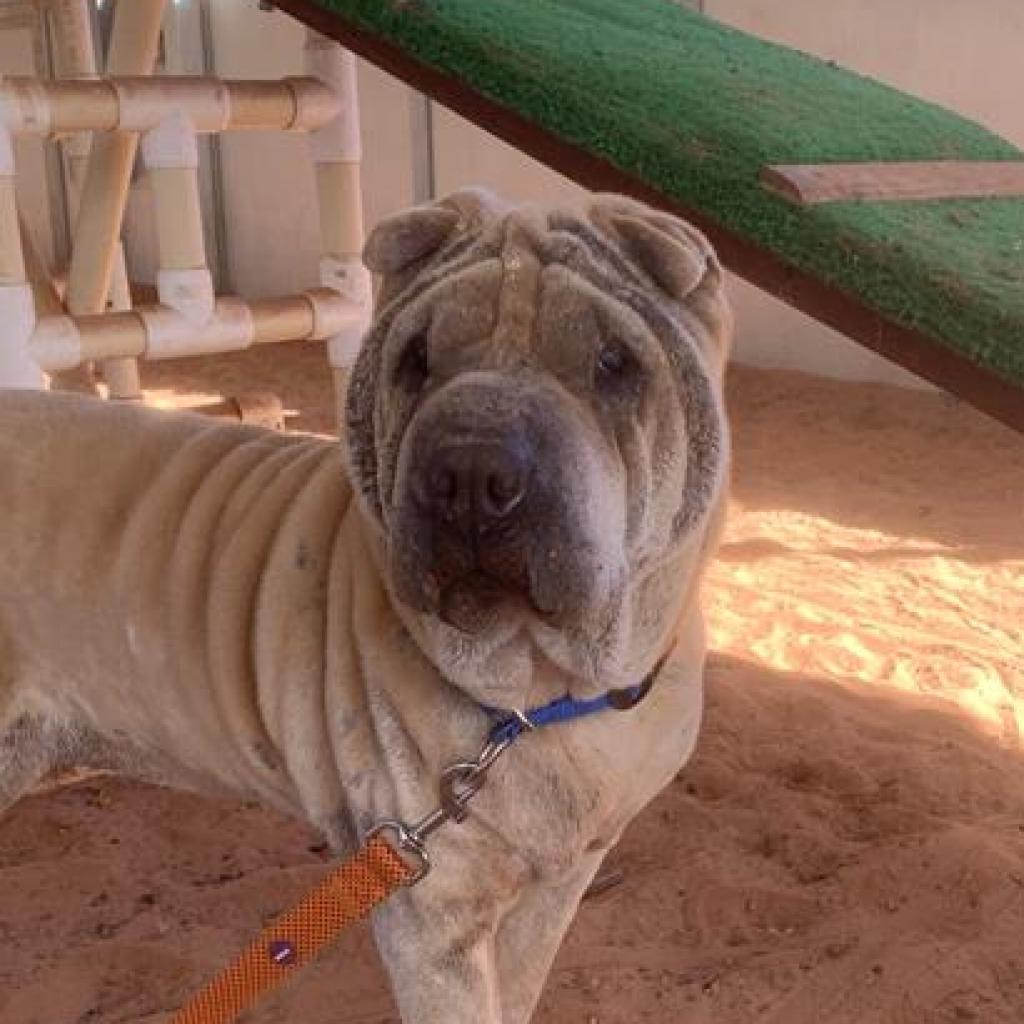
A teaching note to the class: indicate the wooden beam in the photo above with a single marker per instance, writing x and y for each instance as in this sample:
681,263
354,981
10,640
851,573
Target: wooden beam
808,184
910,348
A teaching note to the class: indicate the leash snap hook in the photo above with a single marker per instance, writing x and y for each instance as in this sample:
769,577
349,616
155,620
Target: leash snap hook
460,782
409,841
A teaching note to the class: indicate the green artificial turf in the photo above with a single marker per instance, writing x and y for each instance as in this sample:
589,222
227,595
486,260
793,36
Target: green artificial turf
695,109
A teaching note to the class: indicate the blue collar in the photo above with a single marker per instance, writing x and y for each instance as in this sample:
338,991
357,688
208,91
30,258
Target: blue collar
511,725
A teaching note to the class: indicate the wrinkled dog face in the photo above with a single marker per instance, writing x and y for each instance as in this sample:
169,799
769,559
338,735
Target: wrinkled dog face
536,428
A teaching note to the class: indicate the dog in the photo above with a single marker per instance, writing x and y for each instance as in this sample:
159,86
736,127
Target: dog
531,483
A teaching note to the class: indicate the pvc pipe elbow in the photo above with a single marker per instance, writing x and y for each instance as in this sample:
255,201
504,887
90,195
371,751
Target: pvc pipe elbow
170,335
316,104
339,140
56,344
188,292
171,144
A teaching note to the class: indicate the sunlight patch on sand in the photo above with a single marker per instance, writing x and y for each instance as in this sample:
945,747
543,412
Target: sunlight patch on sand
800,593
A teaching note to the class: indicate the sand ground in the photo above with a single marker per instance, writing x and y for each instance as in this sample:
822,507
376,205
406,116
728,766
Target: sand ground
846,847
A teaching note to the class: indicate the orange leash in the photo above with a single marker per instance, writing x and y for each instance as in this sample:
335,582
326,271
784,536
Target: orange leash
347,895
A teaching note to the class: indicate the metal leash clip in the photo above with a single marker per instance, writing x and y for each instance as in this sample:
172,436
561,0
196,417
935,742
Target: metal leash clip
459,783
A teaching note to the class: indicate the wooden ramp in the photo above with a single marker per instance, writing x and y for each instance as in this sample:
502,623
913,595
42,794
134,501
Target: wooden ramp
650,99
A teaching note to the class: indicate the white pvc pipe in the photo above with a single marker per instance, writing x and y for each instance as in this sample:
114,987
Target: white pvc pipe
171,333
12,262
156,332
184,282
75,51
76,59
121,375
337,139
17,306
134,103
337,152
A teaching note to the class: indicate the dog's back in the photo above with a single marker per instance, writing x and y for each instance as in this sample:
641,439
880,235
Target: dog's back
115,524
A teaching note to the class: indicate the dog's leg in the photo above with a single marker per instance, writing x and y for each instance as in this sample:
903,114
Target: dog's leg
24,744
31,743
26,749
439,952
529,936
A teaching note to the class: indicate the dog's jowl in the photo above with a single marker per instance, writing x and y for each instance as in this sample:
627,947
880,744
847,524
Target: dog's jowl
534,470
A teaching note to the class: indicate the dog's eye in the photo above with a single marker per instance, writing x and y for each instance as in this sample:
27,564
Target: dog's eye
414,365
614,365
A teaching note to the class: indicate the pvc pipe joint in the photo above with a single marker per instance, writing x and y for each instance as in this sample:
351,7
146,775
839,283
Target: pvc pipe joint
170,335
352,281
26,108
315,104
56,344
145,102
77,145
338,141
171,144
349,278
343,347
187,291
331,313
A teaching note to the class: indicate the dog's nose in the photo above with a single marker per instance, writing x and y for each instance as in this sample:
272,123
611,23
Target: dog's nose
476,485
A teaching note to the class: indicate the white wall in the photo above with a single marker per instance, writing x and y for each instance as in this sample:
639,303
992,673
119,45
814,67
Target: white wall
964,54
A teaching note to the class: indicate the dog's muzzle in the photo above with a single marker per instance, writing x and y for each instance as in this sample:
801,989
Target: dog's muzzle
473,496
481,502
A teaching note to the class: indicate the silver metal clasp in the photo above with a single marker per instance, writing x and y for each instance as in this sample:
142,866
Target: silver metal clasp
408,842
459,783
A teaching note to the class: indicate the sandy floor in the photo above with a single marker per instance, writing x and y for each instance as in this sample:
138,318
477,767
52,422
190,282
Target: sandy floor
847,846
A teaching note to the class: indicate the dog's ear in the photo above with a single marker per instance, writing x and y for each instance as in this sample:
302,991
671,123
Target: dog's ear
398,242
677,258
675,255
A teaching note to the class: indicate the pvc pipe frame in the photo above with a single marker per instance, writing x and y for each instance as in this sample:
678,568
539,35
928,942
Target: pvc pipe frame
157,332
171,111
133,103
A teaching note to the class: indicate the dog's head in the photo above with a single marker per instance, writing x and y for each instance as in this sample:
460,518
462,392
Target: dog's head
536,429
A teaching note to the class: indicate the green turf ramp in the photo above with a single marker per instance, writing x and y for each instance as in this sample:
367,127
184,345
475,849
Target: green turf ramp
695,109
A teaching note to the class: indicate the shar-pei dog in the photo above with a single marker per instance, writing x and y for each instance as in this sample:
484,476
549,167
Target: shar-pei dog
531,481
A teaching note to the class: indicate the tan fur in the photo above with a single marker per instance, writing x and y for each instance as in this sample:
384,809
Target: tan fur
207,605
